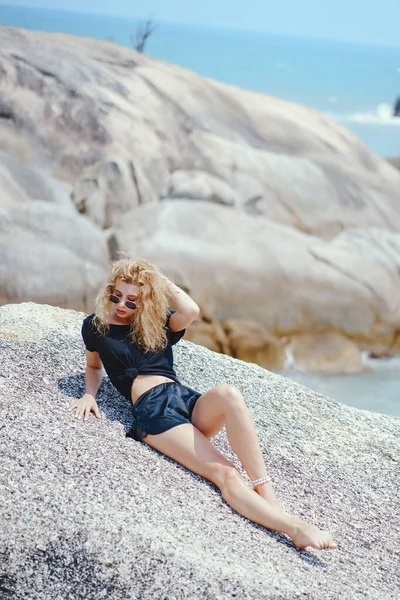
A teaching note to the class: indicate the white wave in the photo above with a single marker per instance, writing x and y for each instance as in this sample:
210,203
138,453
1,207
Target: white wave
383,115
381,364
289,358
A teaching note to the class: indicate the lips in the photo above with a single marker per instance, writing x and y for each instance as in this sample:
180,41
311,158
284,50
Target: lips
121,312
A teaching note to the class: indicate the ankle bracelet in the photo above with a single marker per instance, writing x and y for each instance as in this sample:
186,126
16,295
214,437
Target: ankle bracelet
259,481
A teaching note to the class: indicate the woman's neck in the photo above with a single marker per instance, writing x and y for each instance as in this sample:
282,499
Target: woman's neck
116,320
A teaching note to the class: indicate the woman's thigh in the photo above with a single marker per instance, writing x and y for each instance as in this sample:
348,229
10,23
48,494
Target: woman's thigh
210,409
186,445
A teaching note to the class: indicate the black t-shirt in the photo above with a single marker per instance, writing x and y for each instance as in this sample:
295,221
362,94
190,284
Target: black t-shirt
123,360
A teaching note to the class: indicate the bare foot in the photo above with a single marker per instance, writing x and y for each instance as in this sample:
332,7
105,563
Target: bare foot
304,534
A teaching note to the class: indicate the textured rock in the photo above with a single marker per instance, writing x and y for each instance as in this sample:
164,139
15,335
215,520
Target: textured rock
199,185
119,132
252,343
32,184
326,353
284,279
50,254
119,125
88,513
208,332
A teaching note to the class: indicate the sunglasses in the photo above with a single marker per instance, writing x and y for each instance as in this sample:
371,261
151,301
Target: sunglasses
128,303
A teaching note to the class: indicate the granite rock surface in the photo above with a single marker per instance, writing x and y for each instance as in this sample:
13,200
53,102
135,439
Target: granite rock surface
87,513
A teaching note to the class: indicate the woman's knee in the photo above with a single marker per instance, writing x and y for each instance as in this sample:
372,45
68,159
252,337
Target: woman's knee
233,397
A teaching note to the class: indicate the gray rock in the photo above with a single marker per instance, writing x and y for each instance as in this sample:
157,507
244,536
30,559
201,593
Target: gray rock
118,125
35,184
255,269
50,254
88,513
395,162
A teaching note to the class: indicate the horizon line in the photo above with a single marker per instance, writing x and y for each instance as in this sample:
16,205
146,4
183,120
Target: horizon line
205,26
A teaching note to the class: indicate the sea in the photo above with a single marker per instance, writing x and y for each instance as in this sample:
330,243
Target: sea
356,85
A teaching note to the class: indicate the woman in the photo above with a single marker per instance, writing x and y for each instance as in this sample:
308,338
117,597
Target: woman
131,335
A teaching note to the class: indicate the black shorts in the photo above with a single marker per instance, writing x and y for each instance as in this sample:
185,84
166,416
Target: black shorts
161,408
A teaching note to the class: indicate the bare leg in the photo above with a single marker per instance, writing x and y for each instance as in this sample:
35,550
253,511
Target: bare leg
188,446
225,405
249,504
243,439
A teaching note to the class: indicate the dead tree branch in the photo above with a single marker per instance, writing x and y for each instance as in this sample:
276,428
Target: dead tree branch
143,33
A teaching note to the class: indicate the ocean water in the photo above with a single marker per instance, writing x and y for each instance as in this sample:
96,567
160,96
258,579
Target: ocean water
355,84
377,390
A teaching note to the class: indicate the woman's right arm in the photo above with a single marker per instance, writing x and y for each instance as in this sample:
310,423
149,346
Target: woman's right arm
93,379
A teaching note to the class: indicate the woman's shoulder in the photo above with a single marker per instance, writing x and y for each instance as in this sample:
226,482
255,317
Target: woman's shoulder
88,324
88,333
88,319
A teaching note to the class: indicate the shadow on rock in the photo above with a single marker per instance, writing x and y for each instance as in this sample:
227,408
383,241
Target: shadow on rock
111,403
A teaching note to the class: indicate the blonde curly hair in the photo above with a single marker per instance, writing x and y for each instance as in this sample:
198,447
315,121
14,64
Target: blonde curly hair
147,327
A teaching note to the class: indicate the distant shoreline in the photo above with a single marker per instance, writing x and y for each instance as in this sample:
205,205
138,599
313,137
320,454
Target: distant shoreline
209,26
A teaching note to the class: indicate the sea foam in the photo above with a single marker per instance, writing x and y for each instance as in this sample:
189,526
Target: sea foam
382,115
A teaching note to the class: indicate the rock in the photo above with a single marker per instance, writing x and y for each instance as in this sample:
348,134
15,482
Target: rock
209,335
200,185
252,343
380,354
122,129
89,513
285,280
21,183
50,254
33,183
104,192
326,353
208,332
119,131
395,162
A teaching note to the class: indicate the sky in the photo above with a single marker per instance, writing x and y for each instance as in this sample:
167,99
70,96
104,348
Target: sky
359,21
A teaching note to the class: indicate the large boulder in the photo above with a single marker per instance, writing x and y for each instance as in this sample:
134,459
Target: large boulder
262,271
117,132
326,353
208,332
48,252
88,513
51,254
29,183
252,343
119,126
